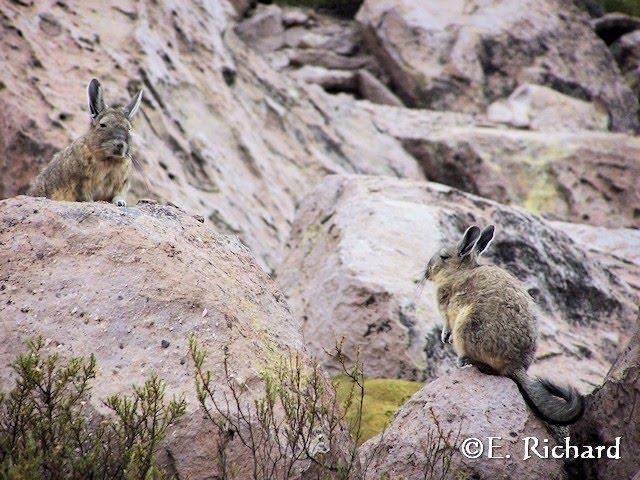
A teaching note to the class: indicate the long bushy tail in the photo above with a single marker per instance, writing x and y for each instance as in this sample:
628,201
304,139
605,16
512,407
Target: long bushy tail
559,405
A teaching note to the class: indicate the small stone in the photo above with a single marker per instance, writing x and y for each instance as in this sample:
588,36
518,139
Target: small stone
164,344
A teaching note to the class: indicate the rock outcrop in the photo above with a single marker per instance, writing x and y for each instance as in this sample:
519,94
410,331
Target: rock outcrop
611,26
541,108
587,177
613,410
617,248
425,437
359,244
130,285
221,133
317,48
309,142
626,51
464,55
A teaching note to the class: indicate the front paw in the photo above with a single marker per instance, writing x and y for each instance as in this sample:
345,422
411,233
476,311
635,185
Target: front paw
119,202
445,336
463,361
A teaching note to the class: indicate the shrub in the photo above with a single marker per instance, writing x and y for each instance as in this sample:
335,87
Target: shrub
298,420
48,431
296,424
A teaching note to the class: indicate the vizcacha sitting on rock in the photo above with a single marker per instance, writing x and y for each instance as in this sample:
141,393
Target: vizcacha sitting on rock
491,320
96,166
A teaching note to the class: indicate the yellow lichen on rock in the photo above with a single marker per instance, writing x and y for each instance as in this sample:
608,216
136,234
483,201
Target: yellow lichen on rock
383,397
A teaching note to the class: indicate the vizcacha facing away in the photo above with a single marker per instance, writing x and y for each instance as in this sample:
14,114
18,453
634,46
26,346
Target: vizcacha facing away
96,166
491,320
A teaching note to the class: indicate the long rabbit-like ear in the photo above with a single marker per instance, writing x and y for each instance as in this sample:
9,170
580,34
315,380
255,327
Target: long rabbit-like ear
96,98
485,239
468,240
131,109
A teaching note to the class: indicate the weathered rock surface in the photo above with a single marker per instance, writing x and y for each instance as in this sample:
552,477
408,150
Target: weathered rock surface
626,51
578,176
317,48
464,55
228,133
464,404
359,244
613,410
264,30
541,108
120,283
611,26
588,177
221,133
617,248
328,79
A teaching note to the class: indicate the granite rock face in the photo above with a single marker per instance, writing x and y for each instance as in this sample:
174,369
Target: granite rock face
221,133
359,244
464,55
586,177
318,48
541,108
612,411
568,173
425,437
130,285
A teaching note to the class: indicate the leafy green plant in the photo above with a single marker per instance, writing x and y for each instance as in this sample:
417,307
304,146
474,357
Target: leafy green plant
49,431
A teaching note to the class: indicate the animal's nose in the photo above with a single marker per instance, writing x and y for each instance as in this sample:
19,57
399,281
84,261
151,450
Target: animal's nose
121,147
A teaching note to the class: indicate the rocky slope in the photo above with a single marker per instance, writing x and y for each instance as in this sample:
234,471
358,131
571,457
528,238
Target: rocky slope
474,53
222,134
612,411
571,171
428,433
131,285
524,113
359,244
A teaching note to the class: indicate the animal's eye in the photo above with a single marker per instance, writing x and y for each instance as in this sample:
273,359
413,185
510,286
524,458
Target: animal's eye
444,256
103,125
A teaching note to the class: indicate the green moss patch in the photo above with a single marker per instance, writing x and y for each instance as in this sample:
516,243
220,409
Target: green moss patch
383,397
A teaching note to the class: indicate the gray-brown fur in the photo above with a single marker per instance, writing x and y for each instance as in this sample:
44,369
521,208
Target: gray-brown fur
491,320
97,166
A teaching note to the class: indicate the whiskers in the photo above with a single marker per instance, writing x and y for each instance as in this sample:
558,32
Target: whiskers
420,283
138,168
